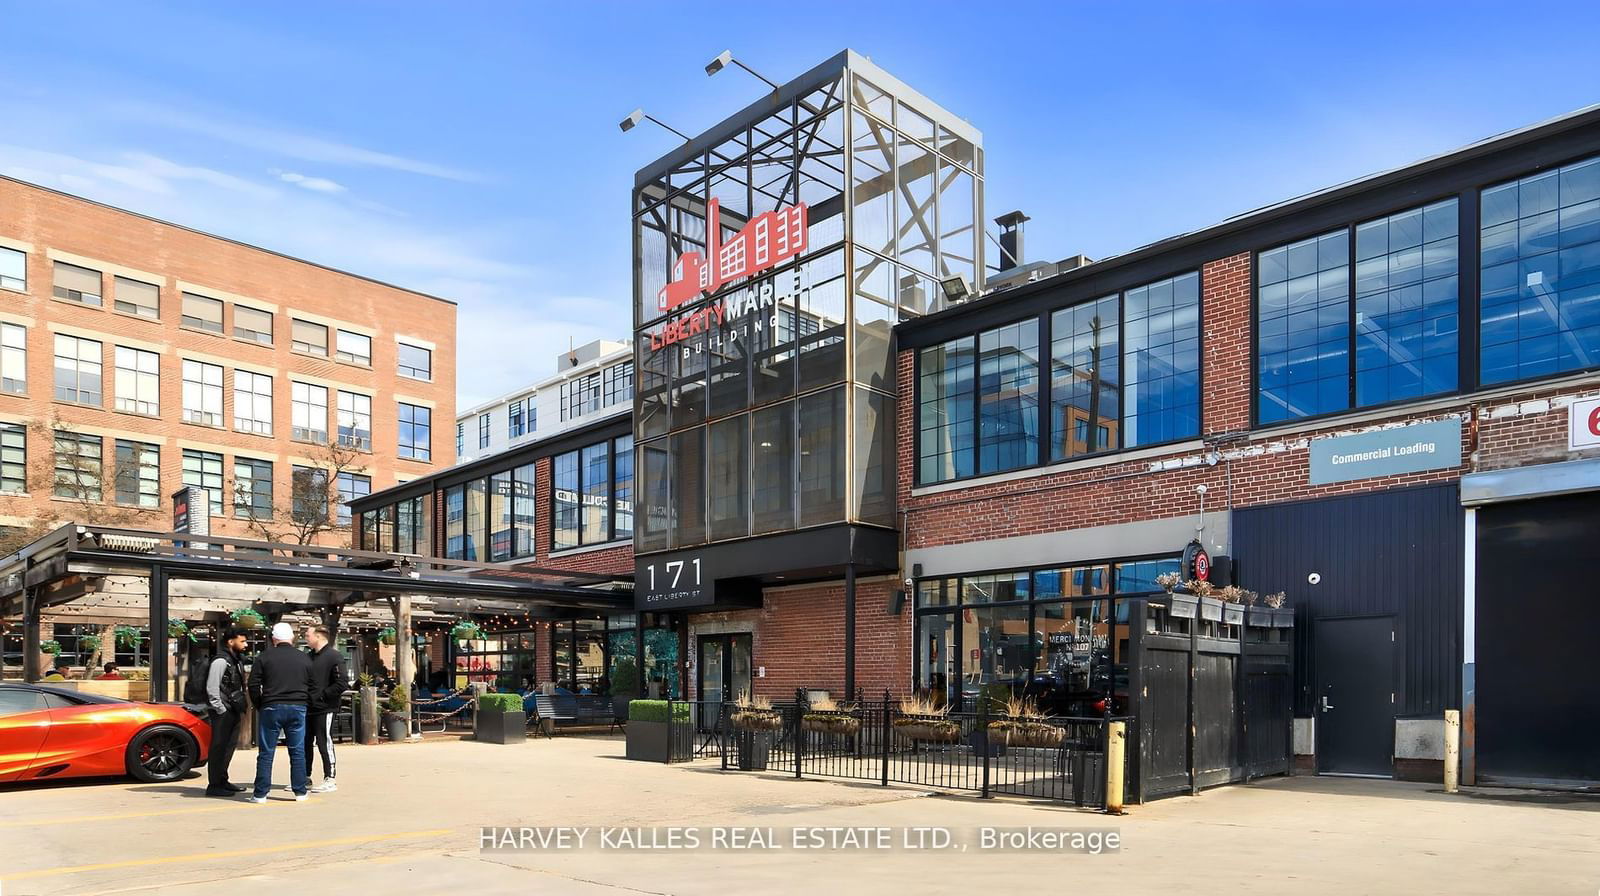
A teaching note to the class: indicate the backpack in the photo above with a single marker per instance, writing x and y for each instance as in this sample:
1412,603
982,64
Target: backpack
194,690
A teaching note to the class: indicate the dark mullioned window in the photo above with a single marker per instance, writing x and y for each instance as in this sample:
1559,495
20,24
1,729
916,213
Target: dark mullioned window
1303,321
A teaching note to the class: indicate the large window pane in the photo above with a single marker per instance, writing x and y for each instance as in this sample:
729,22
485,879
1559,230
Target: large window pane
1540,311
500,531
523,511
595,469
622,487
729,470
1161,361
1084,361
1303,316
564,479
947,437
1406,305
875,457
872,174
1008,397
822,472
937,672
476,517
772,468
689,487
1000,654
654,522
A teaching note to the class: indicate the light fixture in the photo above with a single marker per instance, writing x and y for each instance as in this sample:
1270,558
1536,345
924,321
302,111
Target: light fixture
725,58
638,115
956,289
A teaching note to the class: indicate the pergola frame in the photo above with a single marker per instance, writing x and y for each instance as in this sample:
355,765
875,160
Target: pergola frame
71,564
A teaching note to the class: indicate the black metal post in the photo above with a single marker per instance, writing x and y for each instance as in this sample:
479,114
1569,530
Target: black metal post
158,634
982,737
1189,731
883,742
849,629
798,735
30,633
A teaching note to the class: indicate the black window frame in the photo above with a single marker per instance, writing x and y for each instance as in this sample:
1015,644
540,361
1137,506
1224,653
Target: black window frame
611,536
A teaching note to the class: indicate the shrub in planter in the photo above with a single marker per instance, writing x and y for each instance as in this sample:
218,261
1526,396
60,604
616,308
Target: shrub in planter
248,618
51,647
1025,726
128,636
828,717
395,720
656,711
177,628
648,733
386,637
501,719
921,720
754,714
88,644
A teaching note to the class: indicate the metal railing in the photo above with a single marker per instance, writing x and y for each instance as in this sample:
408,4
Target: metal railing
1060,759
695,729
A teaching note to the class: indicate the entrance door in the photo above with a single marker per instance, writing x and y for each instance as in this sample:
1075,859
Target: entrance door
724,669
1354,662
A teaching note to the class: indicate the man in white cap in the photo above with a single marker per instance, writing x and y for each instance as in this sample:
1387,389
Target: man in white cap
280,685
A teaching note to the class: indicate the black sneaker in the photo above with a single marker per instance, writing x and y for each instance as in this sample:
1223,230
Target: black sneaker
236,788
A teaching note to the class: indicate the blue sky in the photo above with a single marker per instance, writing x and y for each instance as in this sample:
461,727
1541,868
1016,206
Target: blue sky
471,149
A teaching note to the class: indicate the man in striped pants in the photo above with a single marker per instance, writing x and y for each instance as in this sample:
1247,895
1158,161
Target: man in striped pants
328,683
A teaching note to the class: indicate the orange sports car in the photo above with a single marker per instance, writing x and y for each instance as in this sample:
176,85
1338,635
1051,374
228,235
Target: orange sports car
48,733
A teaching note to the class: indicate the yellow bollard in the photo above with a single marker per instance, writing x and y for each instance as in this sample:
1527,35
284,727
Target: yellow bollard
1116,740
1452,749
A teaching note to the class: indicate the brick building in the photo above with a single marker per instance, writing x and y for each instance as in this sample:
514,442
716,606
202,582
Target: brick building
140,356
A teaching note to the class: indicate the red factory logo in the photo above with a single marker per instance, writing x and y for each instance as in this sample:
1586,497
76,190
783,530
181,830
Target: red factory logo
768,239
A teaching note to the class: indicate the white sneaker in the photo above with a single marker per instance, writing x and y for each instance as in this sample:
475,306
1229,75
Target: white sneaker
251,798
301,797
328,786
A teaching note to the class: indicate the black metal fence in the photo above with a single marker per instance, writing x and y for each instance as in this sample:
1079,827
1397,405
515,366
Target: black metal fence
695,730
1056,758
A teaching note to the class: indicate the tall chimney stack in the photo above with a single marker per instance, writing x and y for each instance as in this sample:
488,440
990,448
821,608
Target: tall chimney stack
1010,225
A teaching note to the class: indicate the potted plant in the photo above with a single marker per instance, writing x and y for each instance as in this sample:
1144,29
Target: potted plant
466,630
824,716
1282,617
649,733
501,719
920,720
50,648
87,645
1180,606
127,636
395,720
1025,725
248,618
1210,606
754,720
1232,597
177,628
387,637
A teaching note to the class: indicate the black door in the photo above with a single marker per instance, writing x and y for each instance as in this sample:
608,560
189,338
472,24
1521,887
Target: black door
1538,705
724,669
1355,696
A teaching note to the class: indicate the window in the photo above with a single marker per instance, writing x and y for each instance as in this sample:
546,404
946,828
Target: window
77,370
1161,363
79,467
515,423
580,396
138,381
416,441
461,439
202,393
1540,245
252,489
1303,329
618,385
14,358
455,530
252,324
308,412
252,402
355,420
354,348
203,469
13,269
416,362
75,284
1084,378
946,435
1406,305
533,414
483,430
137,297
308,338
413,535
593,494
201,313
308,495
13,457
1008,397
351,487
137,477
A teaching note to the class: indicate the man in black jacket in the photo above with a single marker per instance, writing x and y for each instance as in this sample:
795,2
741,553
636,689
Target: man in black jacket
327,688
280,686
225,706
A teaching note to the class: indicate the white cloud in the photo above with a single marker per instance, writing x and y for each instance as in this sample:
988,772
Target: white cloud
306,181
305,147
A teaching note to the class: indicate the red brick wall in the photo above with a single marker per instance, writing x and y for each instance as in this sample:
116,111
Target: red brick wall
1225,374
798,635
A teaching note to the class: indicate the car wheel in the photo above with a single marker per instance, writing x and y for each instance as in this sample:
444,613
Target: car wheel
161,753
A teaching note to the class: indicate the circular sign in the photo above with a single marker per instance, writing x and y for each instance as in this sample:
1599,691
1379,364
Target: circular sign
1196,562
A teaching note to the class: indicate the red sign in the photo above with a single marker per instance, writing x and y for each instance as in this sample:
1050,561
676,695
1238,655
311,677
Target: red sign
1196,562
768,239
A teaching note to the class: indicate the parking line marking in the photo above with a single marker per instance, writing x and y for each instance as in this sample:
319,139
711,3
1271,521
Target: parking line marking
31,823
224,854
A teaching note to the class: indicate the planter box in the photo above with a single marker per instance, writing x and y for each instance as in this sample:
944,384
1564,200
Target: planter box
395,726
754,749
1183,606
1233,614
500,727
928,731
649,741
1027,734
1258,617
1282,617
1211,609
827,723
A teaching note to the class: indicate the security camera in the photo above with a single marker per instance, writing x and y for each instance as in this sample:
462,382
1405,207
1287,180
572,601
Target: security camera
1315,578
908,583
1200,489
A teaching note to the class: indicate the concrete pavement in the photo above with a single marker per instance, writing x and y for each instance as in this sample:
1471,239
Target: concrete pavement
407,819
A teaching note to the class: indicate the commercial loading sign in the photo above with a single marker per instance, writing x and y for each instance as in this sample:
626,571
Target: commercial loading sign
1403,449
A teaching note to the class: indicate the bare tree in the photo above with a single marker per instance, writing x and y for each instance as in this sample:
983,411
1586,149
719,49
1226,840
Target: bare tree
97,487
310,510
